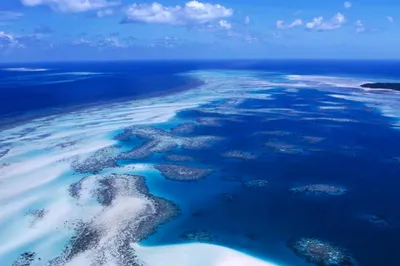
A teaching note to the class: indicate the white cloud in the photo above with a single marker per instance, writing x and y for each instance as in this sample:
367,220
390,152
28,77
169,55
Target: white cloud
320,24
347,4
280,24
390,18
8,41
225,24
246,20
191,13
360,26
72,6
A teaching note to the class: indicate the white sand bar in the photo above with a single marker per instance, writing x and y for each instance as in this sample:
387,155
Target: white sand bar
196,255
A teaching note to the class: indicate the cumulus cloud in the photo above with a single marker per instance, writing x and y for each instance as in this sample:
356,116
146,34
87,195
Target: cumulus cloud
225,24
320,24
6,41
192,13
10,41
280,24
360,26
72,6
390,18
347,4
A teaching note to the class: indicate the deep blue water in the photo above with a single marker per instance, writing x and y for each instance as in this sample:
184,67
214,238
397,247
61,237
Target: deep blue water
27,91
272,215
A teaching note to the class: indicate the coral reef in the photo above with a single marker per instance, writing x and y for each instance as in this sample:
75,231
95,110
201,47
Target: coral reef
131,210
177,158
37,215
256,183
185,128
321,253
277,133
4,152
312,139
209,121
235,154
160,141
182,173
320,189
26,259
282,147
101,159
377,220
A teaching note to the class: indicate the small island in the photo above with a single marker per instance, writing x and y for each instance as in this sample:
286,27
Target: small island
382,85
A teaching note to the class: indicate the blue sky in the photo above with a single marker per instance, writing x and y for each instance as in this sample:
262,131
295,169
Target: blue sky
47,30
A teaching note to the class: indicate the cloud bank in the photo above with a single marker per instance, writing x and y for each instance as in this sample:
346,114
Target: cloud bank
192,13
280,24
71,6
320,24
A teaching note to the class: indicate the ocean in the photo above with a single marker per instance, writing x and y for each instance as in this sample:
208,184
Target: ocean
251,134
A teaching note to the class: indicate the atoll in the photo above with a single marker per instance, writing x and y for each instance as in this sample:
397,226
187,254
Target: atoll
321,253
182,173
198,236
177,158
320,189
256,183
235,154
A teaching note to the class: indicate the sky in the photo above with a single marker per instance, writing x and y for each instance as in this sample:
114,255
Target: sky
54,30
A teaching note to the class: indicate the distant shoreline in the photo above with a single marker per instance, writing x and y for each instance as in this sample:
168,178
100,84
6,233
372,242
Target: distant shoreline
14,119
382,86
